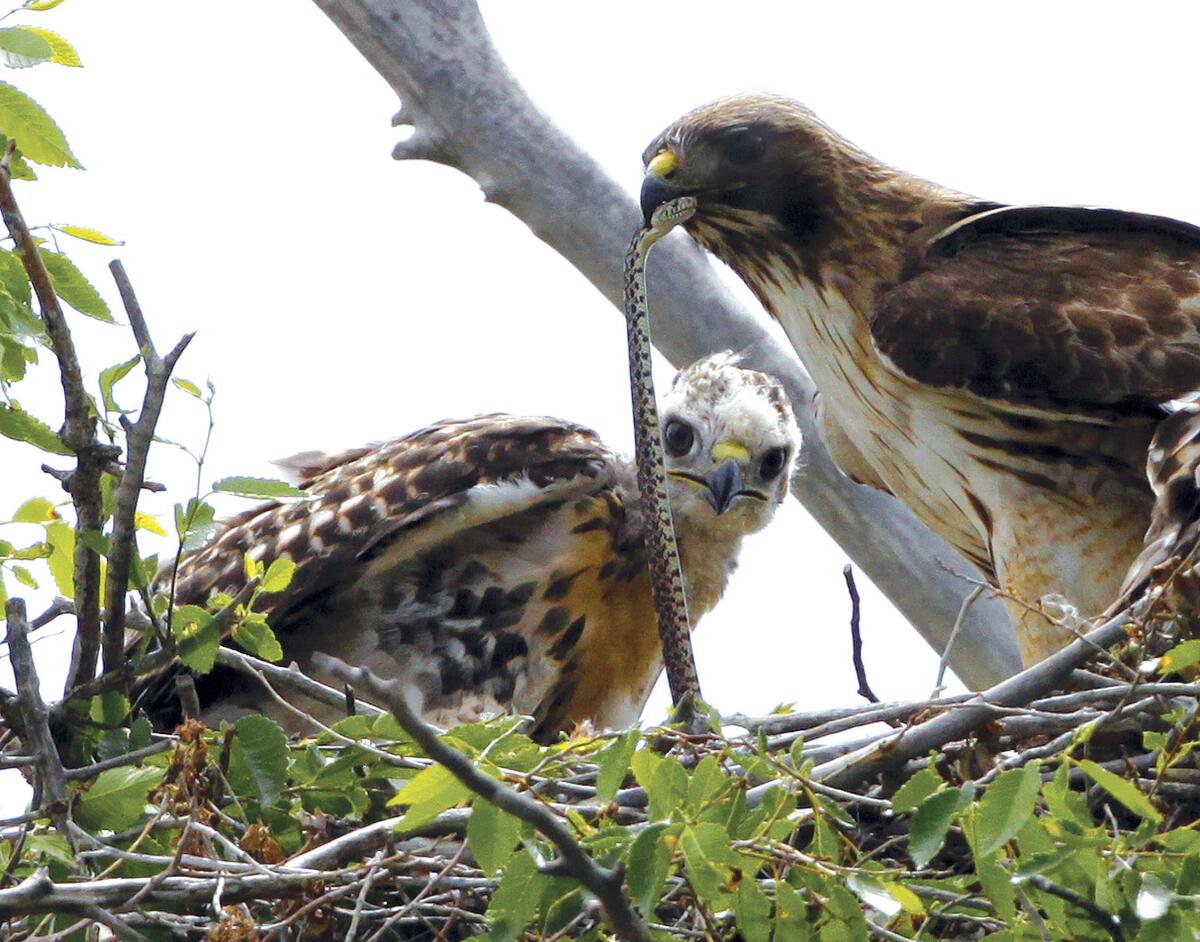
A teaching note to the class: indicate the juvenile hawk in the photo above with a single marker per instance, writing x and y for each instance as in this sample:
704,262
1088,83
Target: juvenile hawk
497,563
1001,370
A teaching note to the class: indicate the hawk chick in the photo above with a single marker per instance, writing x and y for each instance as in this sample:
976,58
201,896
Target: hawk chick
497,563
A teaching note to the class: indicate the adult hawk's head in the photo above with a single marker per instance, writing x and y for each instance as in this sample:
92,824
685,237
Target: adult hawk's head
498,563
999,369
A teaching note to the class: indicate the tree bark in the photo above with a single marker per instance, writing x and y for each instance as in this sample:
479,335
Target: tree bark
467,111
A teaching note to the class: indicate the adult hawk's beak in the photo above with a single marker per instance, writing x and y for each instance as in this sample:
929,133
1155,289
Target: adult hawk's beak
724,482
656,187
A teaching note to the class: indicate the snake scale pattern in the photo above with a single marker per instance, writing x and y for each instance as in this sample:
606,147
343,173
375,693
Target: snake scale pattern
666,577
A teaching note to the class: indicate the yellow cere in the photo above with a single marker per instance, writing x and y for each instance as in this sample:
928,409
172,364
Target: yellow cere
722,451
662,164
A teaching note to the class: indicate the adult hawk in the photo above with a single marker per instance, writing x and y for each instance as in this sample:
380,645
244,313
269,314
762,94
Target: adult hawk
497,563
999,369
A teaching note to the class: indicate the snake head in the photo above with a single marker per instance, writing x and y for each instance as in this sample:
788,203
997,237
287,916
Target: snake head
667,216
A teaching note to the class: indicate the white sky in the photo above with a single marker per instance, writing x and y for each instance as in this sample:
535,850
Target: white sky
242,151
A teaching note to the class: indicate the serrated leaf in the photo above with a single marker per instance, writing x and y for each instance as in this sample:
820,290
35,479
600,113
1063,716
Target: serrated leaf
33,551
1121,789
910,795
23,427
61,560
261,488
752,912
71,285
648,864
13,277
278,575
23,47
148,522
613,764
117,800
35,510
258,758
64,52
95,236
492,835
109,378
109,709
874,893
187,386
709,860
25,577
257,638
197,637
428,793
515,901
26,122
1180,656
1005,807
930,823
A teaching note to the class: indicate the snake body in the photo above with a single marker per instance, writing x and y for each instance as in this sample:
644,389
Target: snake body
666,576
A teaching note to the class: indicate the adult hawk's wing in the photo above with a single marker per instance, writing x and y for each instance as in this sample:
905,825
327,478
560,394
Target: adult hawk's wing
1062,309
373,509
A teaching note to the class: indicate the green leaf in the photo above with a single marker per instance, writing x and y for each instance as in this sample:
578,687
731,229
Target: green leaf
109,378
118,798
109,709
262,488
1006,805
70,285
25,577
1121,789
26,122
197,637
41,4
428,793
791,922
515,901
23,47
194,524
140,734
1153,899
35,510
278,575
13,277
709,861
61,537
187,386
258,758
647,866
492,835
64,52
95,236
910,795
874,893
258,638
927,833
613,763
1179,657
752,912
23,427
664,780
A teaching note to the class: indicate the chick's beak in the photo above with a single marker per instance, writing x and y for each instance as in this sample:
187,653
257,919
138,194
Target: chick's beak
656,187
724,482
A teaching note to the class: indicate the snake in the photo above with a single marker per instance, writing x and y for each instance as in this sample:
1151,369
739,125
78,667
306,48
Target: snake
666,575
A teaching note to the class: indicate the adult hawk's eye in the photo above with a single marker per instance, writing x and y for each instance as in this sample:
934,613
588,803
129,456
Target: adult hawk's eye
772,463
743,144
678,437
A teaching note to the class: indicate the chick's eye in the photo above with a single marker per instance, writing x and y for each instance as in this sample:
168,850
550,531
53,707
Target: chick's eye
744,144
678,437
772,463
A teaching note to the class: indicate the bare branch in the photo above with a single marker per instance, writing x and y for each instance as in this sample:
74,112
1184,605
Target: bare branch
856,644
606,884
138,436
469,112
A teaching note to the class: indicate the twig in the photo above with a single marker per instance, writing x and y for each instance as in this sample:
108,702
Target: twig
1109,922
944,660
78,433
856,644
293,678
604,883
138,437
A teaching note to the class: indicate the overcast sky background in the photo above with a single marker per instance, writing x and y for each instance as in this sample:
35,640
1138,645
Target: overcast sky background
242,151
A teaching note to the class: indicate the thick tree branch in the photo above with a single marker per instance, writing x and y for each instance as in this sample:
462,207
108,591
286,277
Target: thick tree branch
469,112
606,884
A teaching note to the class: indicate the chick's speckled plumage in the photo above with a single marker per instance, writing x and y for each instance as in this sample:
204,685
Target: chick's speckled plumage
496,563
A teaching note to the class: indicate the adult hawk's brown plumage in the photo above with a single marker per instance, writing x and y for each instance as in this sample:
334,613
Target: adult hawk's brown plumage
497,563
1001,370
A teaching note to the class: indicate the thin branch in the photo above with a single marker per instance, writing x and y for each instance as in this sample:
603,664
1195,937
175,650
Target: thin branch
856,643
292,678
944,660
78,433
604,883
138,437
